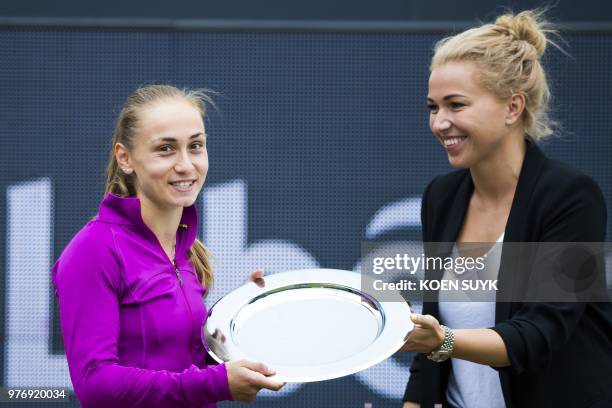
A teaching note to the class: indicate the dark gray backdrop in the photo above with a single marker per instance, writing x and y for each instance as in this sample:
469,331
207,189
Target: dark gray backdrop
322,128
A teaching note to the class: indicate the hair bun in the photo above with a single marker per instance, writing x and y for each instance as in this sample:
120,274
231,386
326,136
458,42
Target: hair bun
525,26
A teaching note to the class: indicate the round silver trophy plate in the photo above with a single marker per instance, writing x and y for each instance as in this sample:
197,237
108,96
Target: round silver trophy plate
309,325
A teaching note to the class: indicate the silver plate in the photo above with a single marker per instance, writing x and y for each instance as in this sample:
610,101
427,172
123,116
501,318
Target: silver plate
309,325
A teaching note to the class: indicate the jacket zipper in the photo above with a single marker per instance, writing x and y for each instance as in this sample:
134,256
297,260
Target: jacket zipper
180,279
178,274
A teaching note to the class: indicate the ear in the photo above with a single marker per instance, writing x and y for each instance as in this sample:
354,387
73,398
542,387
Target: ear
123,158
516,106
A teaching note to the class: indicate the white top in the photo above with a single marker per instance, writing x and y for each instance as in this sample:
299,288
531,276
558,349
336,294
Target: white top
472,385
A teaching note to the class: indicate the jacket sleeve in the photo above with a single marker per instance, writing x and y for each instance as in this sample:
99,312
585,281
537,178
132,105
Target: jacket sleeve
537,330
414,386
88,286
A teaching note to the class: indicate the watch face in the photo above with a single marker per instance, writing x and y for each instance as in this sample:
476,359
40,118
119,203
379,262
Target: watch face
439,356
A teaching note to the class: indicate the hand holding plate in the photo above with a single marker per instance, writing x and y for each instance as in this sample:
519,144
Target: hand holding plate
246,378
426,335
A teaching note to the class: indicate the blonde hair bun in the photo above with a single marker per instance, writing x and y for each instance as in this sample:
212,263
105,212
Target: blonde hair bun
525,26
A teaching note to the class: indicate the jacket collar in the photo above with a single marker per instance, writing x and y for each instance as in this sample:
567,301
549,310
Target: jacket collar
125,211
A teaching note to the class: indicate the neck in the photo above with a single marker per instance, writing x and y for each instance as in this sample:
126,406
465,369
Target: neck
495,178
164,222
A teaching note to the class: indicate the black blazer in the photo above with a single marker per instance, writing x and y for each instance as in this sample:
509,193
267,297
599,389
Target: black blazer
560,353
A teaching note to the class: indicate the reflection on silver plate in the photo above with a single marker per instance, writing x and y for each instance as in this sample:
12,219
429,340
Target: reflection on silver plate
309,325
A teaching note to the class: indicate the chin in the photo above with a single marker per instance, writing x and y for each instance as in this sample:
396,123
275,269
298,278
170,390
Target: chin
186,202
458,163
181,201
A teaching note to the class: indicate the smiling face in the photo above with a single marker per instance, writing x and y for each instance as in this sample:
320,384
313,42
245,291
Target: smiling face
471,123
168,159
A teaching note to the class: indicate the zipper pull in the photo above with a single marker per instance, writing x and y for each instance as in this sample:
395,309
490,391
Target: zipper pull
178,274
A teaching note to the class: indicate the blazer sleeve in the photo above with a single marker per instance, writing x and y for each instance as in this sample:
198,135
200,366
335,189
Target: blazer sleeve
414,386
537,330
88,285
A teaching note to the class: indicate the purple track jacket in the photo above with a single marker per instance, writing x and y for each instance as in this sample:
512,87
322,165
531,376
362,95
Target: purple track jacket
131,320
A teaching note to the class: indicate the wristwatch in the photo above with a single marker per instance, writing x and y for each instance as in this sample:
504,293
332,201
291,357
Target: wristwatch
443,352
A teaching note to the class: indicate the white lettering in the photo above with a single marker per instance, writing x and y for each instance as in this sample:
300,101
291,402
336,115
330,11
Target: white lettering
28,362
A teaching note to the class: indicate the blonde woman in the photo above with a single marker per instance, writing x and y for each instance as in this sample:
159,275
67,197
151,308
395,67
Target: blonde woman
488,100
131,283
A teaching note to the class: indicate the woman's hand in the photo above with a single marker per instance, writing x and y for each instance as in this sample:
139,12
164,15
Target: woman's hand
481,346
246,378
258,278
409,404
426,336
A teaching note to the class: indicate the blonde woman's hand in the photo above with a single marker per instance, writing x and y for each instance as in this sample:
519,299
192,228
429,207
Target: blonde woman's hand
426,336
246,378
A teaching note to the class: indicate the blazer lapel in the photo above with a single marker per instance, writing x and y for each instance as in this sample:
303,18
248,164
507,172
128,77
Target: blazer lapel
450,231
517,228
456,214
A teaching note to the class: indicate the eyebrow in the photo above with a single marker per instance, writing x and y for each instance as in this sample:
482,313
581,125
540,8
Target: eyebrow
447,97
172,139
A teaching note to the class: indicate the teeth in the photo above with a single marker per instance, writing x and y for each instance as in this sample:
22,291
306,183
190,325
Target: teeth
182,184
453,141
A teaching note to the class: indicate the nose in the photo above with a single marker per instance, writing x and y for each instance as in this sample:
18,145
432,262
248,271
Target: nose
440,121
183,163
